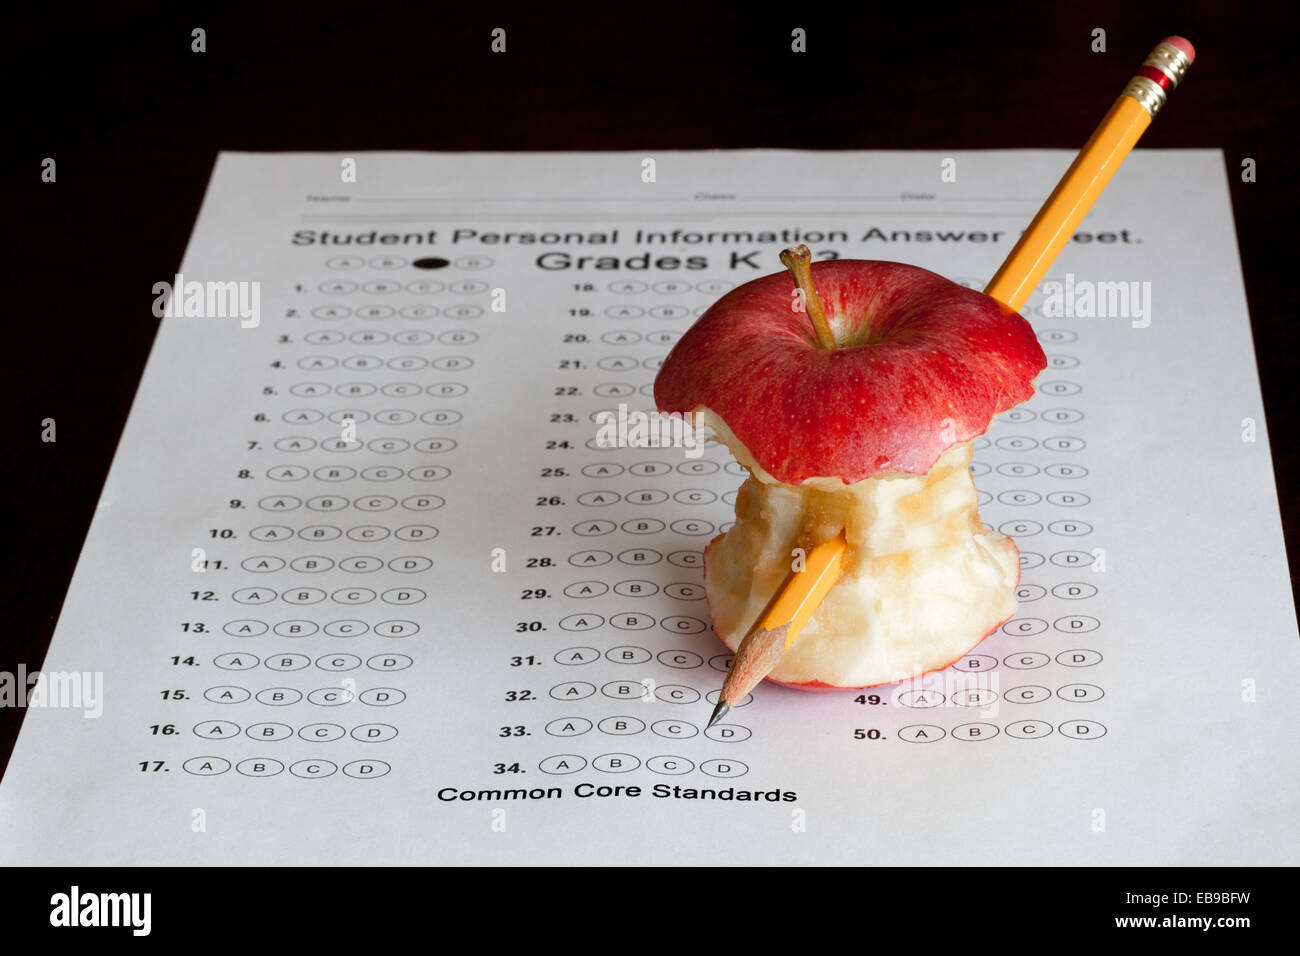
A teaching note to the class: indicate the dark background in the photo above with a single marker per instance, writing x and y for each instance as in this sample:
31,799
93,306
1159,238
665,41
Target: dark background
134,120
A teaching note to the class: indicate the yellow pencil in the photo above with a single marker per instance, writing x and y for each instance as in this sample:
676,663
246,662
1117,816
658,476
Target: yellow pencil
801,593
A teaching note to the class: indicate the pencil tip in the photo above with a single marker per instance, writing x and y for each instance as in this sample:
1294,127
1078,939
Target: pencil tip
719,712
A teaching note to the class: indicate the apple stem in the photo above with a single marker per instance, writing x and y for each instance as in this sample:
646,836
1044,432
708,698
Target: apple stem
798,259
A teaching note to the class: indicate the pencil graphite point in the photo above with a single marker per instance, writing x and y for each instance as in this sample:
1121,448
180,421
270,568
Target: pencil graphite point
719,712
758,653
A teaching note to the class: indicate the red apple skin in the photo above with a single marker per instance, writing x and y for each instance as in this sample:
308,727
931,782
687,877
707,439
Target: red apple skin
820,686
940,362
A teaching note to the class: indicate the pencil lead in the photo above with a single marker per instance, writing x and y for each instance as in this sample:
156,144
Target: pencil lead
719,712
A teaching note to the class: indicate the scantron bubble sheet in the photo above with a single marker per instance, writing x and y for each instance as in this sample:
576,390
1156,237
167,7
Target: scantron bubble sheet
366,584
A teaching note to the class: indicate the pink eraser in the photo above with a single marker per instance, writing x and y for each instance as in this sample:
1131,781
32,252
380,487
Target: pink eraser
1183,44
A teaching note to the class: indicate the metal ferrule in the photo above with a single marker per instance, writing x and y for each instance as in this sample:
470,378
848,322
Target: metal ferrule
1170,61
1147,92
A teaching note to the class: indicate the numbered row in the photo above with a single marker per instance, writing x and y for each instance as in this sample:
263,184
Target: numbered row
1033,626
1094,559
631,654
622,363
646,691
670,286
1066,591
593,589
321,696
1019,443
328,532
381,446
669,310
1022,469
649,496
242,661
624,763
626,726
690,527
984,696
336,473
1020,730
1024,528
1055,416
418,310
350,596
1022,498
328,503
393,286
380,337
638,557
248,627
370,363
1029,660
634,621
631,337
317,563
316,733
389,416
270,767
389,390
654,469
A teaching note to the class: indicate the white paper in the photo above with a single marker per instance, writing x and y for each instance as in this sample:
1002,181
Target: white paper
1189,645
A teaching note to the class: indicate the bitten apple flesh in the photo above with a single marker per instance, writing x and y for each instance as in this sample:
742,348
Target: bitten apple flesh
924,580
858,414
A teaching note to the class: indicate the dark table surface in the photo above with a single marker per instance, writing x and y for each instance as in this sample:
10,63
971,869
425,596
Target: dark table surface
134,119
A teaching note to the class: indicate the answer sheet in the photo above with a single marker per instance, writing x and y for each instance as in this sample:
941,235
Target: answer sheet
367,586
